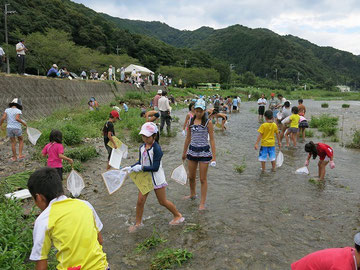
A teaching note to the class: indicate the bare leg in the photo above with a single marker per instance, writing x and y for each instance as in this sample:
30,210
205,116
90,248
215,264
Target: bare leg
13,148
161,196
287,139
263,166
283,129
322,171
21,146
303,134
192,166
293,137
140,208
203,179
273,164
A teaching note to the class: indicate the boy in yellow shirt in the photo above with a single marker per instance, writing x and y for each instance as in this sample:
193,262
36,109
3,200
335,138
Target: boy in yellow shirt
294,125
71,225
266,135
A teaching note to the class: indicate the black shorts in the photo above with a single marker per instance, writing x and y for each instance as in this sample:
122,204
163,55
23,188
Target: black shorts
60,172
234,108
261,110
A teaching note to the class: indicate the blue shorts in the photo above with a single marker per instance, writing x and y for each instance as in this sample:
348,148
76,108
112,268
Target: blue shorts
266,151
14,132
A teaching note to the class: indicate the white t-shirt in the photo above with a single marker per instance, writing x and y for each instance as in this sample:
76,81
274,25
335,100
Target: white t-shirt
2,52
11,118
262,100
20,46
110,71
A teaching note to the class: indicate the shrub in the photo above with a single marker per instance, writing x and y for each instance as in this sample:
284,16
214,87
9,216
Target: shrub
151,242
345,105
326,124
134,135
71,135
83,153
355,141
324,105
328,131
76,165
44,138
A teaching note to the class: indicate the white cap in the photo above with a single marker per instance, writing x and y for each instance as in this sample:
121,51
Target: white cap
148,129
55,66
357,239
159,91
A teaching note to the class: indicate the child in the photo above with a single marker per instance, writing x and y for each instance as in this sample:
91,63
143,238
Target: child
286,112
150,116
301,107
55,152
71,225
303,124
150,155
197,150
13,128
93,104
188,118
109,132
325,153
125,107
294,126
223,117
266,135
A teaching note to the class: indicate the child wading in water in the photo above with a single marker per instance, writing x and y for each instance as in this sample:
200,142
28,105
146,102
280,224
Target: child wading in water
266,135
188,118
294,125
325,153
109,132
55,152
150,155
197,150
13,128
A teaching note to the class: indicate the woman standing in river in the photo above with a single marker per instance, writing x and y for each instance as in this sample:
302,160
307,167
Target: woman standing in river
197,150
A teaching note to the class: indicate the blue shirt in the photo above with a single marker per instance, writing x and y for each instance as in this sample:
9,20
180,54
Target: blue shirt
52,71
235,102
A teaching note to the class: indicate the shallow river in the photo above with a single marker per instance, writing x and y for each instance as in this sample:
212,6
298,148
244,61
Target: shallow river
254,220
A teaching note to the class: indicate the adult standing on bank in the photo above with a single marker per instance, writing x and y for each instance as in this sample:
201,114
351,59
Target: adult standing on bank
262,103
156,100
110,72
2,58
20,56
164,108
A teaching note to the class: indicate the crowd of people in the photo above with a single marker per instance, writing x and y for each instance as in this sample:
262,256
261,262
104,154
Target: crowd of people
45,185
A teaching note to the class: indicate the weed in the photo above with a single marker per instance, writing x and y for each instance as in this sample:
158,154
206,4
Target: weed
192,228
326,124
355,141
175,119
16,181
309,133
151,242
240,168
82,153
134,135
324,105
71,135
168,258
345,106
334,138
77,166
328,131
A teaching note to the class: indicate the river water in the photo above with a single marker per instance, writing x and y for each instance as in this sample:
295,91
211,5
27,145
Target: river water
254,220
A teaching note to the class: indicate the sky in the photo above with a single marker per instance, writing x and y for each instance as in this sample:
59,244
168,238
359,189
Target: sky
323,22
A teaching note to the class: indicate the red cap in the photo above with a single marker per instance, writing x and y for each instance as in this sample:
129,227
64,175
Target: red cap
273,94
115,114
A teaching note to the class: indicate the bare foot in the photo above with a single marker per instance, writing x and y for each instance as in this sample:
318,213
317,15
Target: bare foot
133,228
273,170
190,197
177,220
202,207
13,159
21,157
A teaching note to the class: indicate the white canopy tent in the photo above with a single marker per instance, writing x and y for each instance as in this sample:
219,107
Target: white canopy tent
142,70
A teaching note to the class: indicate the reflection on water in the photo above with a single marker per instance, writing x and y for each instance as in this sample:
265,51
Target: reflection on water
254,220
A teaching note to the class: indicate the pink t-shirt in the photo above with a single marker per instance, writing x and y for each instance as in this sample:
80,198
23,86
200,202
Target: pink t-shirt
332,258
53,150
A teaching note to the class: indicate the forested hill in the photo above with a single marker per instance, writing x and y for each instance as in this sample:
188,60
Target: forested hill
258,50
87,28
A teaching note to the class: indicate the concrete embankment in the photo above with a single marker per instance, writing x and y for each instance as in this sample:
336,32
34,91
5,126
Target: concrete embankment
41,96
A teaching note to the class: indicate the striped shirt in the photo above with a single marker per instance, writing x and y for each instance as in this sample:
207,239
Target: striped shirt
199,145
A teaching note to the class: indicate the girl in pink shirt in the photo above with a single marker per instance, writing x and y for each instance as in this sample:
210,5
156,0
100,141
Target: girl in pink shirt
55,152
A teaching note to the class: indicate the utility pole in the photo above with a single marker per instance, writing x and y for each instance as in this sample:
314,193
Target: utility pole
6,12
185,63
298,77
276,73
117,49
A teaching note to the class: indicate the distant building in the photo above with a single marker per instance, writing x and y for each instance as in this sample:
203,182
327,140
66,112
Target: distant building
343,88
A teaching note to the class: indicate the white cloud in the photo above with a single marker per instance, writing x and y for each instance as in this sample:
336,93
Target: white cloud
323,22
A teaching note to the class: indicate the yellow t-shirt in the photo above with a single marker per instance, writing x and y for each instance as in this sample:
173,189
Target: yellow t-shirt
294,121
72,226
267,130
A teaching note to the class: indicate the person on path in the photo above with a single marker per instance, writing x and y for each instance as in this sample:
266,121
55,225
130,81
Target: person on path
325,153
165,110
13,128
83,75
267,138
53,71
156,100
346,258
2,59
55,152
150,155
261,103
109,132
20,56
199,151
72,226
